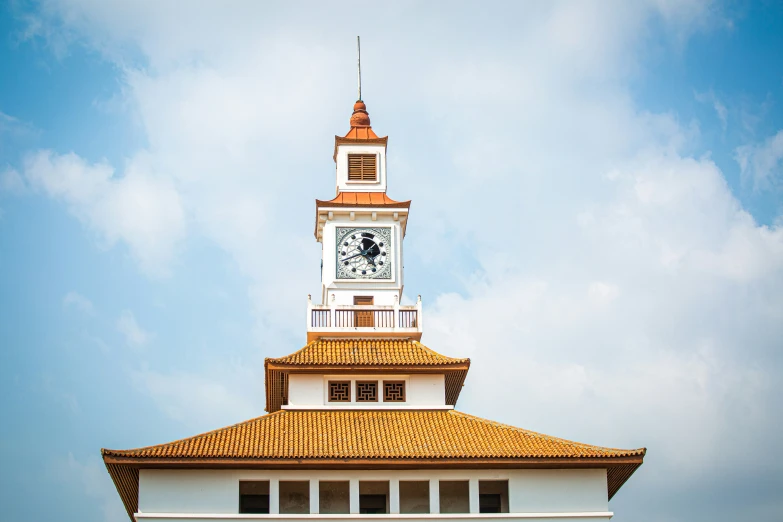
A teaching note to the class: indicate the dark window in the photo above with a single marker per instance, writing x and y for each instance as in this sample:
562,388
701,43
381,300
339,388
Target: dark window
254,496
489,503
372,504
373,497
493,496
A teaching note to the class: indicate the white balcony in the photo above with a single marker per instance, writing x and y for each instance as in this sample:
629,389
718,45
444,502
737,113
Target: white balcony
359,320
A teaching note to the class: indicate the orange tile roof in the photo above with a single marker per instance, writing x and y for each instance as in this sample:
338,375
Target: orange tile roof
338,438
373,434
366,352
361,199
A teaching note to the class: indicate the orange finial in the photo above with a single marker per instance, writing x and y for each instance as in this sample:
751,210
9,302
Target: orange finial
360,118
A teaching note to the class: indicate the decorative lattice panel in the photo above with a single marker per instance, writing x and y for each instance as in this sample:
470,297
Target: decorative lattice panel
339,391
393,391
366,391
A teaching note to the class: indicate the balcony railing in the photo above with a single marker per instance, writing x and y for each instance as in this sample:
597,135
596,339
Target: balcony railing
357,320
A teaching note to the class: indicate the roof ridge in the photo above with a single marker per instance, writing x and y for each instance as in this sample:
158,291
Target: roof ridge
539,435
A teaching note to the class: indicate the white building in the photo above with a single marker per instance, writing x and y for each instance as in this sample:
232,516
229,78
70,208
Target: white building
361,421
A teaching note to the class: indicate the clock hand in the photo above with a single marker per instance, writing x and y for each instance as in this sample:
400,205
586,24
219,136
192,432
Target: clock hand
351,257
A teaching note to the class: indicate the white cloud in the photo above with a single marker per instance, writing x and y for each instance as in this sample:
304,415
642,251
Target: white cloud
134,334
762,163
89,476
79,302
140,208
202,403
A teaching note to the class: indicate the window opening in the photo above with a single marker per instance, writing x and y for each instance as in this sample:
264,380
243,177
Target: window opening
493,496
373,497
454,496
393,391
362,167
366,391
414,496
254,496
339,391
294,497
334,497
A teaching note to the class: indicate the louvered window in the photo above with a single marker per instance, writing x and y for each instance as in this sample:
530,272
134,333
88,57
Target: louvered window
362,167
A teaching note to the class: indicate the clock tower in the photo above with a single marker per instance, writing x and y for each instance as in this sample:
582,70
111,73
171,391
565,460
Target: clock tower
361,231
361,422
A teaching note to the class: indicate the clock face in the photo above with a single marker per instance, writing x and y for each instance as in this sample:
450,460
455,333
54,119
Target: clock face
364,253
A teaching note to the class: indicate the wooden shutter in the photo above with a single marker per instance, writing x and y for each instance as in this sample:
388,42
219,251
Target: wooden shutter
362,167
363,317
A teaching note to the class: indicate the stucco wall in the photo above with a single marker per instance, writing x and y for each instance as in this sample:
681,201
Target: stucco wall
217,491
422,389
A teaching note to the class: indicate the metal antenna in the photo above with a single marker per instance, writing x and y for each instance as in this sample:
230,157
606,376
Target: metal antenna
359,64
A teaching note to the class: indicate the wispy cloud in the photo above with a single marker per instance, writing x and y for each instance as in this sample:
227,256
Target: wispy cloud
720,109
762,163
134,334
140,208
77,301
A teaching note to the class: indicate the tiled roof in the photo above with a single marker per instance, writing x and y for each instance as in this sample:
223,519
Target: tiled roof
392,438
365,352
362,199
374,434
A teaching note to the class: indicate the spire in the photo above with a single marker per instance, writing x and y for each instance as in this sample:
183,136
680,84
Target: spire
359,65
360,119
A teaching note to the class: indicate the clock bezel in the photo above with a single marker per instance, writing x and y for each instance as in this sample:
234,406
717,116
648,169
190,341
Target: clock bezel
385,234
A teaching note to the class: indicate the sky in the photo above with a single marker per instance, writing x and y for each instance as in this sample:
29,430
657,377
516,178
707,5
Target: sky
597,222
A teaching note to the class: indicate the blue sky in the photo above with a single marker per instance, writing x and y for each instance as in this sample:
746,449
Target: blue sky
596,222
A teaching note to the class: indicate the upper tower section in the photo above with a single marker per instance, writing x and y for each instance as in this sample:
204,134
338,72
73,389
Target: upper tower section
360,155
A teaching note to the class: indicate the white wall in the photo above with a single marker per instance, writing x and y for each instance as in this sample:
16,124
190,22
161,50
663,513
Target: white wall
422,390
305,389
427,389
217,491
343,185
